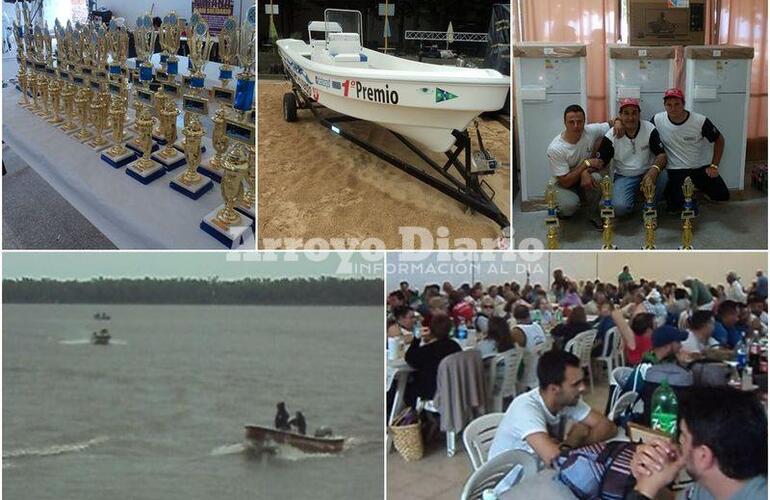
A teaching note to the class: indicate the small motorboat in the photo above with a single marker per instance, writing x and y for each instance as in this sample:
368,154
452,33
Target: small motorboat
102,337
266,438
101,316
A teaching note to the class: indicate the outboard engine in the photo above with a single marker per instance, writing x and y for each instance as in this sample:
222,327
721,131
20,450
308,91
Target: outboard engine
323,432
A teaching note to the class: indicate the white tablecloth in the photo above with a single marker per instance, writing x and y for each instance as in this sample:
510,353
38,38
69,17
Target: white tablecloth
131,215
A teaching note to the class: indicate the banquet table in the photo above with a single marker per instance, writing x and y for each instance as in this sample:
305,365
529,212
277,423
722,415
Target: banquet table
130,214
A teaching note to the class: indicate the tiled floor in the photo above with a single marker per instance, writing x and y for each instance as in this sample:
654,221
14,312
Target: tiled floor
438,477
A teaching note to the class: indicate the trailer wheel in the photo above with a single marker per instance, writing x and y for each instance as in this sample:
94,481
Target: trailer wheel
289,107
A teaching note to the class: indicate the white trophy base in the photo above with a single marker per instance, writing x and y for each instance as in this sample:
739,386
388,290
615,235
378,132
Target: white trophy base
145,176
230,236
193,190
121,160
99,147
170,162
82,138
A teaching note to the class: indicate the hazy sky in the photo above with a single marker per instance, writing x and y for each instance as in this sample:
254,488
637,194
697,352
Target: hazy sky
225,265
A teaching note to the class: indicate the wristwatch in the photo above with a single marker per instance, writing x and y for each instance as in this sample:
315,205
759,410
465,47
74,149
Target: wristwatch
714,165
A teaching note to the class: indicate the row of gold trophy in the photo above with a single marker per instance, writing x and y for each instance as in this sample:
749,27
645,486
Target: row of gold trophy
83,88
607,214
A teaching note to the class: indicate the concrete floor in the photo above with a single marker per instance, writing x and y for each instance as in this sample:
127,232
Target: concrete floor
36,216
736,224
438,477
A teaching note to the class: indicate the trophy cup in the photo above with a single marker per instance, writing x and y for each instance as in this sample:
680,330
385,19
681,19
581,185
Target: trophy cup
42,85
248,202
100,110
144,39
551,220
170,31
24,102
240,124
228,43
63,52
213,169
169,156
688,214
54,89
81,101
159,104
145,169
98,53
118,155
48,45
607,214
21,58
190,183
68,94
649,214
199,41
76,64
224,222
32,82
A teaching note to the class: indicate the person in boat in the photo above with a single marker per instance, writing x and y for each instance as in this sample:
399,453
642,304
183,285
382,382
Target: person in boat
299,422
282,418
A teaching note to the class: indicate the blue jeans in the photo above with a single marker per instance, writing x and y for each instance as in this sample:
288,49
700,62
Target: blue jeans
625,188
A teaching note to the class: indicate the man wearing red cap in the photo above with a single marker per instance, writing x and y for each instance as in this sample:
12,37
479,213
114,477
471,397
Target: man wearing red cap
637,155
687,139
573,164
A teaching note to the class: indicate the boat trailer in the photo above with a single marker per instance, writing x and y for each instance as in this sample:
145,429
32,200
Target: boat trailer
470,191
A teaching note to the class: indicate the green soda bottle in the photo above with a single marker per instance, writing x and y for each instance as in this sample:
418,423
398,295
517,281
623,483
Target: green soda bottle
665,409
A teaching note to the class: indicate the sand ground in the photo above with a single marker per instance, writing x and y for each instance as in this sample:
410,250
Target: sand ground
314,184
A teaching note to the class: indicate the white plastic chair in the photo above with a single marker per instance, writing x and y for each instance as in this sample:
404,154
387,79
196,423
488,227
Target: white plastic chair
581,346
494,470
610,349
623,403
478,436
510,361
618,379
530,359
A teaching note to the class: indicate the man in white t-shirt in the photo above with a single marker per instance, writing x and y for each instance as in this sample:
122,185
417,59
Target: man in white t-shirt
636,156
687,138
573,165
536,420
735,290
700,326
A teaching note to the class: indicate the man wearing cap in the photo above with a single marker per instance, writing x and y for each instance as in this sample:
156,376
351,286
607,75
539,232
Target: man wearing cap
686,136
666,345
573,164
638,155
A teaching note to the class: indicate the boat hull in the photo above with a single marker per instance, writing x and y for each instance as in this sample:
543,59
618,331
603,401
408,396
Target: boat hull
422,102
265,437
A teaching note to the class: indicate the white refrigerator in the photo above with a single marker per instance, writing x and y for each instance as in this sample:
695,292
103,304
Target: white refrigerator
718,78
546,78
642,73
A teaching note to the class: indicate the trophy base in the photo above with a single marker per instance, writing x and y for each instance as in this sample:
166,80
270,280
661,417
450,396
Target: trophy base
159,139
82,135
100,146
134,147
214,175
170,163
652,247
610,247
178,145
248,212
194,190
230,236
120,160
44,114
147,175
68,128
55,121
686,248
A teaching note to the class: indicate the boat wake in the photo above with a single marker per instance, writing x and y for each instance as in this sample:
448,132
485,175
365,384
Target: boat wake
88,342
56,449
229,449
280,452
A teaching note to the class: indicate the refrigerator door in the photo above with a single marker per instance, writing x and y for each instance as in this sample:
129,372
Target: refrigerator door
651,104
728,113
649,75
728,75
539,122
558,75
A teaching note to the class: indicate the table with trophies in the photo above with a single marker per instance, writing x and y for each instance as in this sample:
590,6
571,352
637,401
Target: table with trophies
105,131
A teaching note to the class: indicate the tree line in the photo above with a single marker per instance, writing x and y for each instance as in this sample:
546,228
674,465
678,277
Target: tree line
247,291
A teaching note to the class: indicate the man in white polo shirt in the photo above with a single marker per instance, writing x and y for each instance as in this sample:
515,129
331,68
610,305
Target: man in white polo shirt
637,155
687,139
535,421
573,164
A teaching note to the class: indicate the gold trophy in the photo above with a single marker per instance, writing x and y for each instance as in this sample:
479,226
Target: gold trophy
551,220
32,83
55,91
81,101
649,214
169,156
228,44
688,214
48,46
199,41
145,169
159,100
68,94
241,122
190,183
118,155
99,110
63,52
42,84
225,223
607,214
213,169
248,202
24,102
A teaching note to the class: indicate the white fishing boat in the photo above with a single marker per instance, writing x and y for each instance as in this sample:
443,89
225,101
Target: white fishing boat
420,101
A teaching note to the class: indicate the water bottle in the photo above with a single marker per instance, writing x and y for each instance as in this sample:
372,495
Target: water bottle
664,409
559,316
536,316
416,330
462,331
740,350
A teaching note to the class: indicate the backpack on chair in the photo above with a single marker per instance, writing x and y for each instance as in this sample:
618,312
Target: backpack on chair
600,471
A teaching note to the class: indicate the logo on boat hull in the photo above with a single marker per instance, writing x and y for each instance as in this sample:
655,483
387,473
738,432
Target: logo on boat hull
443,95
373,94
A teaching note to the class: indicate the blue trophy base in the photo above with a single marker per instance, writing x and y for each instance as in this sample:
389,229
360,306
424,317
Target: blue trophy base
194,190
248,212
170,163
230,236
214,175
146,176
119,160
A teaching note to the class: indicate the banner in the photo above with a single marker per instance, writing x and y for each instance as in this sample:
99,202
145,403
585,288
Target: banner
214,12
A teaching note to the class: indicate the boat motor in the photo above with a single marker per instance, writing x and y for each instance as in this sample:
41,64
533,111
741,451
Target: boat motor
482,161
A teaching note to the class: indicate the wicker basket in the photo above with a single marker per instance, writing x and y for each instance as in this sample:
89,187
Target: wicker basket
408,441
